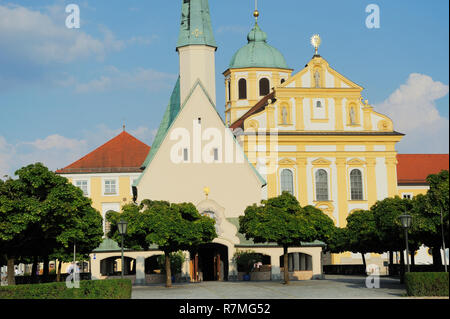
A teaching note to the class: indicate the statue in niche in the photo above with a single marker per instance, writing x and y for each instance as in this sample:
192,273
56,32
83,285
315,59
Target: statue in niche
317,79
284,115
352,116
214,216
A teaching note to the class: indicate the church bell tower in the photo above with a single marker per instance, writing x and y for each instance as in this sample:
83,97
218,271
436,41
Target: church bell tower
196,48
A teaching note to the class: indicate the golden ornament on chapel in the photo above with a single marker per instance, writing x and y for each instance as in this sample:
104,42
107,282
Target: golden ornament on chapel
315,42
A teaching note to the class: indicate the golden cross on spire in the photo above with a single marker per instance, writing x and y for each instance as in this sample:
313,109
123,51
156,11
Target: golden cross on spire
197,32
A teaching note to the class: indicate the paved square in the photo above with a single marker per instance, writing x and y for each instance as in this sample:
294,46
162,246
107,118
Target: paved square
340,287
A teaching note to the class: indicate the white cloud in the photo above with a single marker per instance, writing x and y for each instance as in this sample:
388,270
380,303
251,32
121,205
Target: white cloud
148,79
412,107
57,142
42,39
57,151
144,134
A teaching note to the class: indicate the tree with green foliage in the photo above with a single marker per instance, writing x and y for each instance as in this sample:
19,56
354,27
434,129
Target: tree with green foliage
391,234
432,212
362,234
17,213
283,221
339,241
172,227
246,259
47,214
176,262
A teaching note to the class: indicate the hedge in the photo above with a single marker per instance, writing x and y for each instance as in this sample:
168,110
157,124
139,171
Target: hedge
427,283
89,289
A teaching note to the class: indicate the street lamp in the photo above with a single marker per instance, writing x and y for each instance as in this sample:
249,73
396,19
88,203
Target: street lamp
406,223
122,226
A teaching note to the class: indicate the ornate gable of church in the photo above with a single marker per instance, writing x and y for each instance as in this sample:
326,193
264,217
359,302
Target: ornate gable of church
318,74
321,162
356,162
287,162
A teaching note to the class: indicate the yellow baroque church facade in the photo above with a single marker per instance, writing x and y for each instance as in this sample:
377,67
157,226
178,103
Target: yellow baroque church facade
333,151
310,133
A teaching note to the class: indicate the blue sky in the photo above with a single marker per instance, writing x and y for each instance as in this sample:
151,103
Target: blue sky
64,92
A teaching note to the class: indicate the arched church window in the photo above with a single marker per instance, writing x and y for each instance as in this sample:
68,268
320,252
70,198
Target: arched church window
229,90
264,87
242,89
356,185
287,181
319,104
321,185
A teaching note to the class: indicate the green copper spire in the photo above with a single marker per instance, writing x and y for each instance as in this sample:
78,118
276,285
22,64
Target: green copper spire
196,24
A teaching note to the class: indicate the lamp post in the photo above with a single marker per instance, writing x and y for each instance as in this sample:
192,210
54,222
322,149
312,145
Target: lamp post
122,226
406,223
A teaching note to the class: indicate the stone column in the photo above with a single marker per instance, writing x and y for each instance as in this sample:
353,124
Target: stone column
275,262
95,267
296,261
291,262
140,270
302,262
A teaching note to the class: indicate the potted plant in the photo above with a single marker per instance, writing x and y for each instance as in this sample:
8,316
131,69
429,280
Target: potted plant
245,261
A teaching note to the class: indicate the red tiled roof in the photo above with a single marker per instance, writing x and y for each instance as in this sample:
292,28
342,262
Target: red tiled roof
123,153
414,168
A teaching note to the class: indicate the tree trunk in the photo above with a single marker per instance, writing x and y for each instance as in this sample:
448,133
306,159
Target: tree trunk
402,267
364,261
45,272
168,272
286,265
58,274
34,270
10,272
437,258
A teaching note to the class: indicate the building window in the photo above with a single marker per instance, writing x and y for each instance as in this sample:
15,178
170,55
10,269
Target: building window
407,196
83,185
282,81
264,87
356,185
242,89
229,90
110,187
216,154
185,154
199,120
321,185
319,104
287,181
